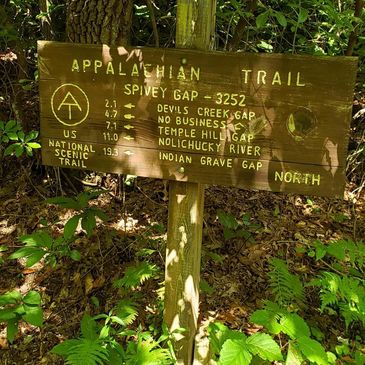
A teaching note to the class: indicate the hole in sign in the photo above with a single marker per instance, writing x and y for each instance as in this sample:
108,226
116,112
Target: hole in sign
301,123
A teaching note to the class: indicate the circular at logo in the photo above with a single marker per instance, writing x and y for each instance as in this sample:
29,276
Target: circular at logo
70,105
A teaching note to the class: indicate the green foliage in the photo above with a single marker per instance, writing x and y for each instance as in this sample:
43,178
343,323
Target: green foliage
277,320
113,338
15,308
233,228
137,275
285,286
112,342
87,350
235,348
20,143
342,294
309,26
41,244
9,131
345,251
88,213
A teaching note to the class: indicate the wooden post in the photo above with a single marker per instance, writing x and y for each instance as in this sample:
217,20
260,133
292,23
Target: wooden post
195,29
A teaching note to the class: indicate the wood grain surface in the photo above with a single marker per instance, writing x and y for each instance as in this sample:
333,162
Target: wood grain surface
259,121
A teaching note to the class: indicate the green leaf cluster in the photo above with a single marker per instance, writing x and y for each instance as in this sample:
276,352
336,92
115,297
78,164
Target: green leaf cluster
88,213
41,244
15,308
23,143
345,251
231,347
112,342
301,346
234,228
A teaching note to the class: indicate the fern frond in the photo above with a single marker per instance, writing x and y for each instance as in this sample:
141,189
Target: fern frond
137,275
285,286
126,311
351,314
148,353
82,351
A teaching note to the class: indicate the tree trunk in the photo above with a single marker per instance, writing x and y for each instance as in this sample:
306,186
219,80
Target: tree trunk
99,21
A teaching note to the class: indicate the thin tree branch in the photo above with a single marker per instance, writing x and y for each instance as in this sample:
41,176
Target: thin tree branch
359,5
153,22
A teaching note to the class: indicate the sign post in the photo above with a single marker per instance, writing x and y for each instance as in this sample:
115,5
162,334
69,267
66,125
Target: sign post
194,28
257,121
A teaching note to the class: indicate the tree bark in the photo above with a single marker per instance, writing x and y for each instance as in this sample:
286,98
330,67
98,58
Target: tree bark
99,21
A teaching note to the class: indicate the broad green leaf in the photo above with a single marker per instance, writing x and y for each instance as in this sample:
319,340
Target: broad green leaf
32,298
34,257
21,135
11,329
28,151
70,226
280,17
7,314
11,297
10,124
294,326
267,319
33,315
33,145
89,327
88,223
39,238
294,356
219,334
24,252
320,252
227,220
19,149
234,353
31,135
12,136
64,202
261,20
75,255
312,350
104,333
263,345
303,15
10,149
62,349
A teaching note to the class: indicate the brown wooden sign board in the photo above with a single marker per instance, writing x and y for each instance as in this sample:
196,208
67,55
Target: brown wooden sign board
261,121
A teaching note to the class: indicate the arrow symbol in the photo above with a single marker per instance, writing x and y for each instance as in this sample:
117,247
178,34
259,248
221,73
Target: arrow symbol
129,106
128,138
128,126
128,116
129,153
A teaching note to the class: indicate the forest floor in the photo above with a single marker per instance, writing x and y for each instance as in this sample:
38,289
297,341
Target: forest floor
235,269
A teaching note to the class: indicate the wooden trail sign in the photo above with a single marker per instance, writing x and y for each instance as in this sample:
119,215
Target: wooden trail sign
261,121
